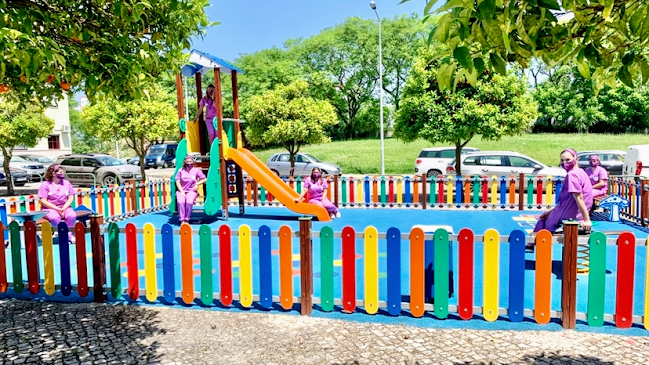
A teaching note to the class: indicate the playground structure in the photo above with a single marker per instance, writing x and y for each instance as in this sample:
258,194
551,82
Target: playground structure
224,169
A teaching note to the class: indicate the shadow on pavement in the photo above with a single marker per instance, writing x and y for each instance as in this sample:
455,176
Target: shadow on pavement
46,332
551,359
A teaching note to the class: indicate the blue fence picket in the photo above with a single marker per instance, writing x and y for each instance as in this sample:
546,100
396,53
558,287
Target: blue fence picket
168,263
265,268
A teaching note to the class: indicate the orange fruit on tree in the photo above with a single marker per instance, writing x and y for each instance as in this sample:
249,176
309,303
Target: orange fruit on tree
50,78
23,78
65,85
4,88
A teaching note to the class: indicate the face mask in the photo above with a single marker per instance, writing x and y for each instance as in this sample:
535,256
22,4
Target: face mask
569,165
593,163
60,176
316,175
189,165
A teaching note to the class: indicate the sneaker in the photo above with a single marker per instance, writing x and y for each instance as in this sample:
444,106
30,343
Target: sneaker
337,214
332,216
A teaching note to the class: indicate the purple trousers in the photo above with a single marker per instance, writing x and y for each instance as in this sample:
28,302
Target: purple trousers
326,203
210,129
54,217
185,204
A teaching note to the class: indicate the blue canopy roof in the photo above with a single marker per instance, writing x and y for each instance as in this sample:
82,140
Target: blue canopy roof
203,62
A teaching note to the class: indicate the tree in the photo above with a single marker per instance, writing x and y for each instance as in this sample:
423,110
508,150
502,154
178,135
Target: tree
605,39
492,107
342,68
141,123
21,124
290,117
49,46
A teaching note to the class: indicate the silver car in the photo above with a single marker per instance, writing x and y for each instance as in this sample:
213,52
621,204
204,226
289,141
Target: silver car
96,168
502,163
280,164
36,170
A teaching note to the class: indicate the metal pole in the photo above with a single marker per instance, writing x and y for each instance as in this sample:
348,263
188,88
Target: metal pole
380,89
117,148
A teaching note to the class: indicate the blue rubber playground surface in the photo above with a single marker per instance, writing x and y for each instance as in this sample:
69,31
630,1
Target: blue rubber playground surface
382,219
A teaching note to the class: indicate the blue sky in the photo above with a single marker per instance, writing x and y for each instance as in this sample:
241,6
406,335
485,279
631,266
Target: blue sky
248,26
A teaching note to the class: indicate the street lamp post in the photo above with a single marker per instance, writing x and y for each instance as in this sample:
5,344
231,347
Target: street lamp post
373,6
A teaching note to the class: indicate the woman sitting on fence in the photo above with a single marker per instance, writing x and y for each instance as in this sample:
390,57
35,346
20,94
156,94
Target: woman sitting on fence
187,181
56,195
316,187
575,198
598,176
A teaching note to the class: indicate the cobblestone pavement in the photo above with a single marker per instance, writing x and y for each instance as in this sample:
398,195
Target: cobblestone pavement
40,332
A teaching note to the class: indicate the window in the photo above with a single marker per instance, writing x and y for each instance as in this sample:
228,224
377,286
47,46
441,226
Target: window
72,161
284,158
473,160
91,162
299,158
584,158
53,143
516,161
491,161
447,154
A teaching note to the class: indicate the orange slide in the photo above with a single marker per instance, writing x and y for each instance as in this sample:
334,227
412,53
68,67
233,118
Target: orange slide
272,183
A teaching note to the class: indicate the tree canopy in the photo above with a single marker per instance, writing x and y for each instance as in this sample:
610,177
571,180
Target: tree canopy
290,117
494,106
21,124
141,123
49,46
605,39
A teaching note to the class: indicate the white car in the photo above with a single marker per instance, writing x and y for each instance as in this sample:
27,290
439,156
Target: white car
433,161
502,163
636,162
35,170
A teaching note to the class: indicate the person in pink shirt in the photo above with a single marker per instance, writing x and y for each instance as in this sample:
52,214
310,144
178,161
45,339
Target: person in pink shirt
188,179
575,197
209,103
56,195
598,176
315,188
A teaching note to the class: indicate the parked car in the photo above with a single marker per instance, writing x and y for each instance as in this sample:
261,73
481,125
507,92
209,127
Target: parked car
280,164
36,170
135,160
636,161
502,163
91,168
433,161
46,161
161,155
612,160
20,177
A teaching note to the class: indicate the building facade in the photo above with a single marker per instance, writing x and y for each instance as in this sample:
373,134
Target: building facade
60,141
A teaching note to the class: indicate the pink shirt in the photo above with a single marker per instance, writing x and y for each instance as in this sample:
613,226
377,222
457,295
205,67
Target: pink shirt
210,110
189,178
56,194
596,175
315,188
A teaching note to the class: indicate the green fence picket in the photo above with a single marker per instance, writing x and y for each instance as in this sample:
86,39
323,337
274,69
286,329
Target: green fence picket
207,296
16,260
327,268
596,279
115,270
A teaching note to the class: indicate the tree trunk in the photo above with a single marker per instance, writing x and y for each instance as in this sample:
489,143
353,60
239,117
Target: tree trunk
7,152
458,161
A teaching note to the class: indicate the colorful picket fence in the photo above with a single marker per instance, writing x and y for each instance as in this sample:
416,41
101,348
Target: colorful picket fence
247,256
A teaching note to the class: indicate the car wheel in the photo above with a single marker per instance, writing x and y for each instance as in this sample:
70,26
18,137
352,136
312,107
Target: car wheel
165,165
433,173
275,172
110,180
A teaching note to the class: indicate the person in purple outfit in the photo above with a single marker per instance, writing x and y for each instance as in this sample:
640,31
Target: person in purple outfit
575,198
56,195
209,103
188,179
598,176
315,188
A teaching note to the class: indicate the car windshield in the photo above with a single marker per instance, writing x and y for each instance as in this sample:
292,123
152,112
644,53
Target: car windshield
156,150
41,159
109,161
18,159
314,159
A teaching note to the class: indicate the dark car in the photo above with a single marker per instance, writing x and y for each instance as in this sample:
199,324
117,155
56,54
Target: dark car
612,160
161,155
19,176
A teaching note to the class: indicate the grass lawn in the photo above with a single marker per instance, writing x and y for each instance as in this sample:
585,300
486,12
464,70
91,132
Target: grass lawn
363,156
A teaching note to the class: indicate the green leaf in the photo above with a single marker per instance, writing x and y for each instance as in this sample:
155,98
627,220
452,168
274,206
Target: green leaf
479,65
445,75
498,63
644,67
441,33
506,42
486,9
635,20
611,81
549,4
449,5
608,7
583,69
628,58
625,76
429,6
463,57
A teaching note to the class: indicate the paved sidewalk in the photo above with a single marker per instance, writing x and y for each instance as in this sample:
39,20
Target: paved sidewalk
42,332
